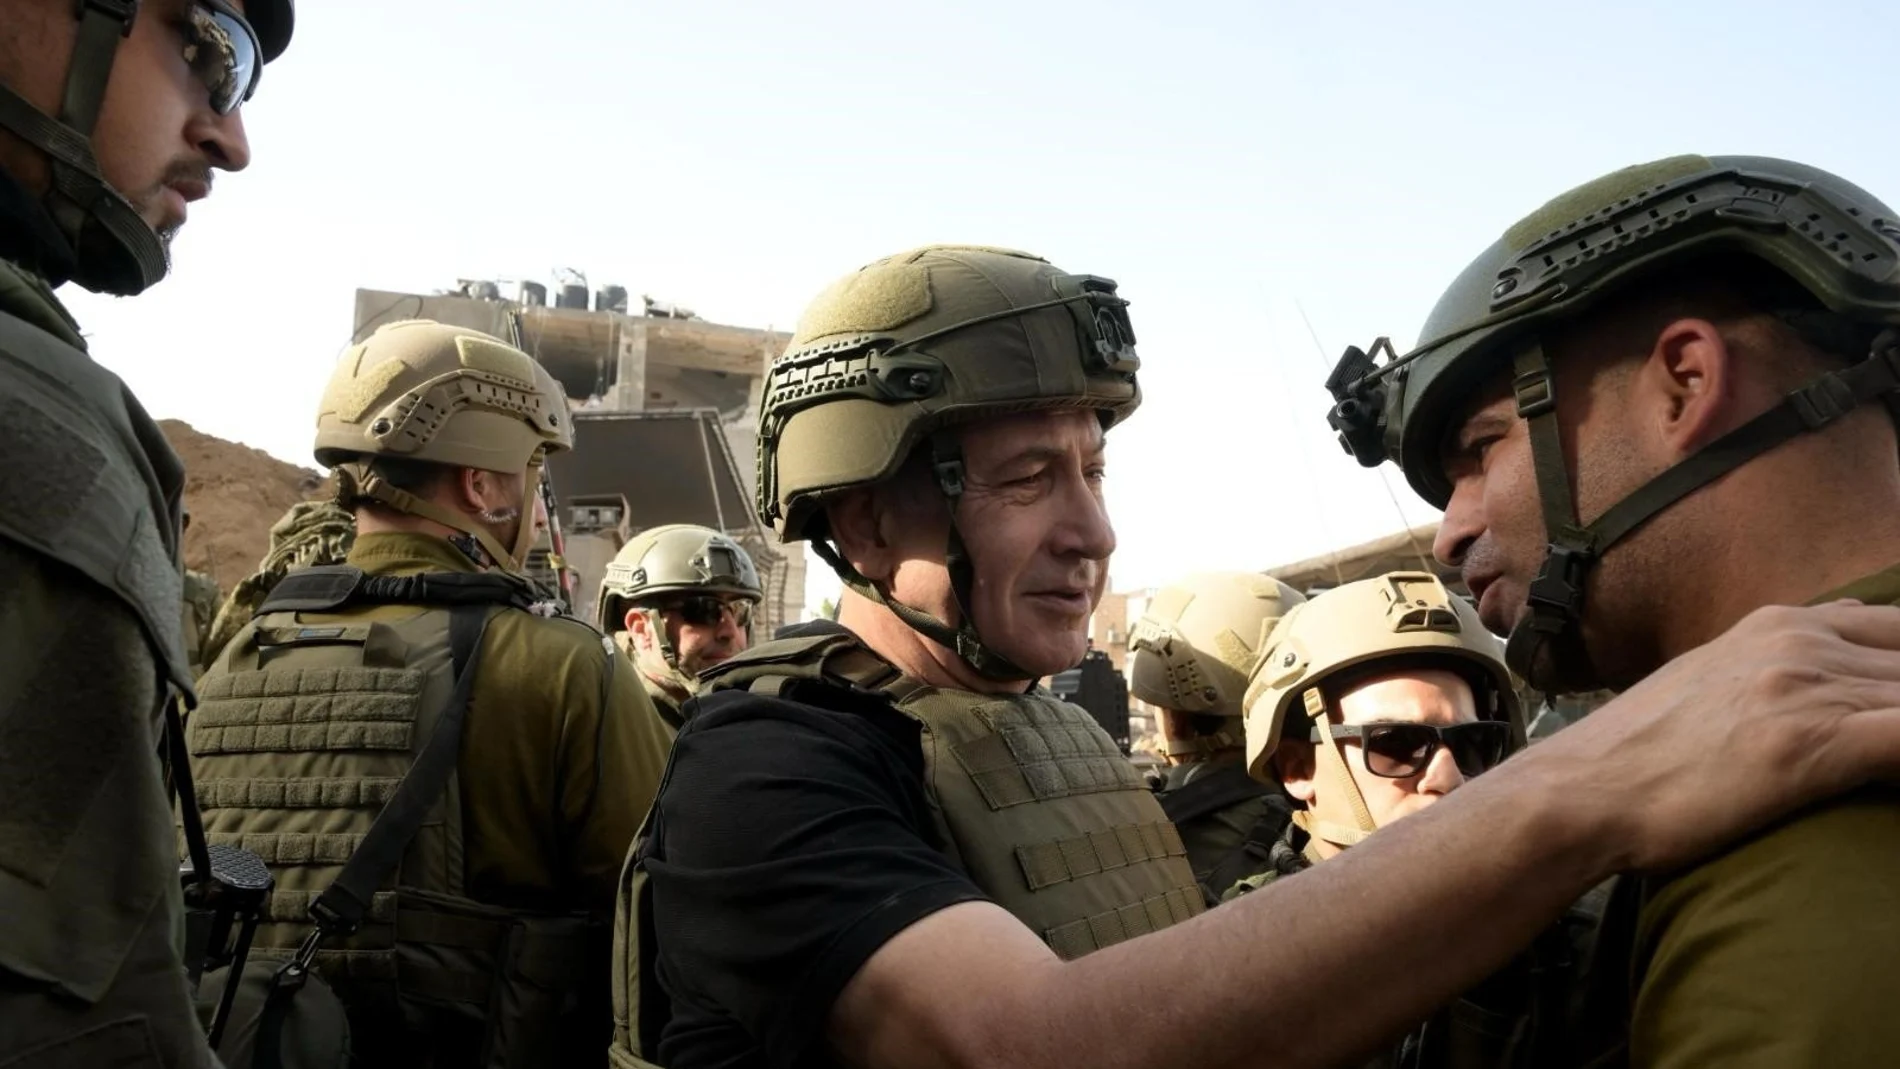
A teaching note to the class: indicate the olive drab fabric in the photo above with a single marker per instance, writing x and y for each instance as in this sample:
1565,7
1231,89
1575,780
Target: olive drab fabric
309,721
889,360
1032,798
90,585
1824,235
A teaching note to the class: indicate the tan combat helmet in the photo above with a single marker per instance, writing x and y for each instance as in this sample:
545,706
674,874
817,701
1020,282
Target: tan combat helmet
1408,618
890,357
424,391
1192,651
678,558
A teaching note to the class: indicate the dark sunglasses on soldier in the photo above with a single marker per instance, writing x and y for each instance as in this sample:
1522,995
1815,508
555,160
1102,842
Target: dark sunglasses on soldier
706,611
1398,751
223,53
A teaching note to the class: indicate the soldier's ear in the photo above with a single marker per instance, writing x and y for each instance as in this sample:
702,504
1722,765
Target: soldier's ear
859,528
1691,382
1293,763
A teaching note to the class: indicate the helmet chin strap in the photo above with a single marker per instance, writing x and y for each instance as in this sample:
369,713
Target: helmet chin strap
1546,647
947,465
114,250
1331,769
357,480
656,625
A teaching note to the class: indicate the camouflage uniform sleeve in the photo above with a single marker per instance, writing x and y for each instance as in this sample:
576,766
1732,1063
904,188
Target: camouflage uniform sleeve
89,963
1784,952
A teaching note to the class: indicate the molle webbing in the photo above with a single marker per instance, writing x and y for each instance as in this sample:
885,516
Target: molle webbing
331,746
1032,799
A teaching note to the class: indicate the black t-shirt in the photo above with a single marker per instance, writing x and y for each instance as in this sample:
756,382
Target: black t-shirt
789,842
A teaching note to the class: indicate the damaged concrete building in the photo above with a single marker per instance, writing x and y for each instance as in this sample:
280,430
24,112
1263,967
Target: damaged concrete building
665,409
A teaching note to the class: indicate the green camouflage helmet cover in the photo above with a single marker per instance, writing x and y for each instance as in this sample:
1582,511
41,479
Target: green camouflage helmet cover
672,559
1830,237
892,356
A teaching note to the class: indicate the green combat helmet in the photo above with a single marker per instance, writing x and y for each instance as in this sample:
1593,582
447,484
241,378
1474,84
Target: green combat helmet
423,391
1404,620
678,558
1826,235
894,356
1193,648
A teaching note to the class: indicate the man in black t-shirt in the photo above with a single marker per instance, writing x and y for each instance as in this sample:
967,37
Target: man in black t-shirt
877,845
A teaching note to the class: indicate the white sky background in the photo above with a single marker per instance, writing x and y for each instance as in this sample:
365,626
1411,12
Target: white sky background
1230,164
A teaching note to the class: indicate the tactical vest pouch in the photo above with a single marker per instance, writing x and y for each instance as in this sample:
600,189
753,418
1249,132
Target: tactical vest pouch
500,975
301,1028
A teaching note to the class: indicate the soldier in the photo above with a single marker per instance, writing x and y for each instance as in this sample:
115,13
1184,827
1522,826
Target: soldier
444,775
1369,703
1190,655
112,117
1645,412
1395,670
678,599
878,846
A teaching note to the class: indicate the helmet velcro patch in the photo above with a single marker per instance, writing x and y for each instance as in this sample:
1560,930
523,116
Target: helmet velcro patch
352,398
883,296
1600,193
483,354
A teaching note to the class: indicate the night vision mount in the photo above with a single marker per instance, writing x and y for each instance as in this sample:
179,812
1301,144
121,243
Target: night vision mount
1359,385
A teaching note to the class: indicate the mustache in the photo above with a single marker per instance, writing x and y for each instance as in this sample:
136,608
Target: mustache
185,170
1482,557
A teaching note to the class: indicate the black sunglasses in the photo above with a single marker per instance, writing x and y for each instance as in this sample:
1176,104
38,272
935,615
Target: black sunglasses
222,50
1397,751
706,611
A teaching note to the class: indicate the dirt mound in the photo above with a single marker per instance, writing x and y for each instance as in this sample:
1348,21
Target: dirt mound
234,493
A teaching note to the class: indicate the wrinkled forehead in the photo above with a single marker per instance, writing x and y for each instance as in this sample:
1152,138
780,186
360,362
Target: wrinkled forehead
1004,438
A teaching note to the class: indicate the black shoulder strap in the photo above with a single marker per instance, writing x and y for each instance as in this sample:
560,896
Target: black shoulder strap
331,587
342,906
1226,785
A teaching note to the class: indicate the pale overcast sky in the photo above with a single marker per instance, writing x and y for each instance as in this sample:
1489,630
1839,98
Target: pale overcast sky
1239,168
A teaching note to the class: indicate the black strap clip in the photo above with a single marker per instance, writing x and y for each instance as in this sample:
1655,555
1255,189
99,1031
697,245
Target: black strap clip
1823,401
1556,595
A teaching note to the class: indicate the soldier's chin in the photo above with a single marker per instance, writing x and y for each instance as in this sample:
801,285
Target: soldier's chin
1047,654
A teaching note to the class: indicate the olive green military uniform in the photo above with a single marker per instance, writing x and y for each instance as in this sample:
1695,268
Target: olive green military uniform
89,626
560,758
1783,951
